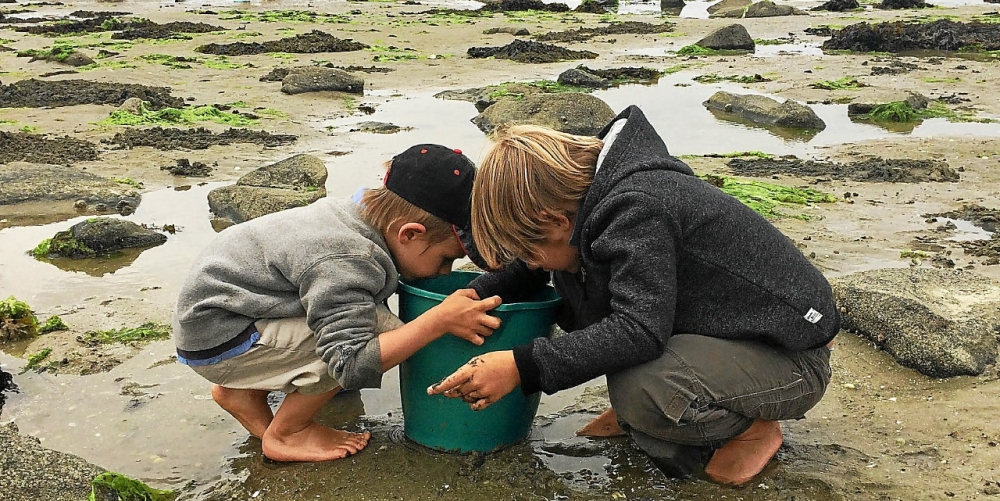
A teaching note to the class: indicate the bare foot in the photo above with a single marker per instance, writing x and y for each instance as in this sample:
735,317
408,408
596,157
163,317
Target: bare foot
605,425
313,443
746,455
249,407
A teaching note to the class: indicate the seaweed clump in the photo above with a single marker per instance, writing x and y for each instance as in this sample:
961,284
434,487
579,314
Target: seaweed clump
16,320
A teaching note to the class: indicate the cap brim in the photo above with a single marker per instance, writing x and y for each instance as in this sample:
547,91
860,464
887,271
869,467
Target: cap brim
465,239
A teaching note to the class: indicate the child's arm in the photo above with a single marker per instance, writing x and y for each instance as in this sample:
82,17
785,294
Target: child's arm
462,314
482,380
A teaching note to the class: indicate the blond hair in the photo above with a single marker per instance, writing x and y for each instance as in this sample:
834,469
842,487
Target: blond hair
531,171
381,208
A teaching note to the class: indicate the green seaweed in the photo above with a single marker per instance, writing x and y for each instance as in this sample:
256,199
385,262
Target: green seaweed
941,80
284,16
744,79
676,68
697,50
52,324
842,83
149,331
111,485
175,116
913,254
903,112
28,129
127,181
58,52
35,360
766,198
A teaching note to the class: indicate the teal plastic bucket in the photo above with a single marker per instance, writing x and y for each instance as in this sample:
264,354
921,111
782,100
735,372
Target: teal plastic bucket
448,424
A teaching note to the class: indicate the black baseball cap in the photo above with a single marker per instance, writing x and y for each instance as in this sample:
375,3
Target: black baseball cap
438,180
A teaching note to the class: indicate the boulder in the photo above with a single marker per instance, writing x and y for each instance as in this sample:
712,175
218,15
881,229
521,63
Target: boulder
293,182
581,78
766,111
671,6
732,37
570,112
940,322
32,472
728,5
318,79
100,236
767,8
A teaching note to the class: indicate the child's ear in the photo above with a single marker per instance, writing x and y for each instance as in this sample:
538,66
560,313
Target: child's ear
409,232
559,220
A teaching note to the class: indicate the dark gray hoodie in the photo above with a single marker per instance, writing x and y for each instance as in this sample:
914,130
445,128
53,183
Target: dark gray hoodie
664,252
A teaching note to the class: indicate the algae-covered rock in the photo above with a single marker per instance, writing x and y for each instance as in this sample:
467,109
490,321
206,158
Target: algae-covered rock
16,320
110,486
767,111
98,236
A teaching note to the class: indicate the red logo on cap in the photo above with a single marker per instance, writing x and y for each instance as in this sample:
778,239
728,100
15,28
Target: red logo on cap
423,151
457,173
456,150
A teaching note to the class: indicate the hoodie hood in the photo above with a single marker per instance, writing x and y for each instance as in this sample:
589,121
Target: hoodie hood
631,146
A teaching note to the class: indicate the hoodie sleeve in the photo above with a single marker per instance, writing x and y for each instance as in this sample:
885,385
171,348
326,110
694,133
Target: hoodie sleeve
339,296
514,283
635,236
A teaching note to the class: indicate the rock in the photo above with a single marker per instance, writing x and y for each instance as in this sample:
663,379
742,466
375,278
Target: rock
570,112
510,30
904,4
132,105
939,322
314,79
728,5
60,189
767,111
77,59
671,6
102,236
915,100
580,78
293,182
838,5
732,37
297,172
597,6
767,8
32,472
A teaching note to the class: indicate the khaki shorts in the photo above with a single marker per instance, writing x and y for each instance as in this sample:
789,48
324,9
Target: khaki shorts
283,359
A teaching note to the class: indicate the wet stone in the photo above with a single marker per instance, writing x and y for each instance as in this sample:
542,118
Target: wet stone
102,236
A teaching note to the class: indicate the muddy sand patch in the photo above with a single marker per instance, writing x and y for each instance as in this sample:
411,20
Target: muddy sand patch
33,93
308,43
33,148
194,139
900,36
526,51
620,28
876,169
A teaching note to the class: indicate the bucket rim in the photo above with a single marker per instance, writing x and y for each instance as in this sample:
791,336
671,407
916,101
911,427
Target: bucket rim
528,305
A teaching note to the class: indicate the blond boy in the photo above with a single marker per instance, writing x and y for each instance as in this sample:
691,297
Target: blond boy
709,323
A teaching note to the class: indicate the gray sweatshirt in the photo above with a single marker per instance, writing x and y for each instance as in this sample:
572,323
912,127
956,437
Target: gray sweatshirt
322,262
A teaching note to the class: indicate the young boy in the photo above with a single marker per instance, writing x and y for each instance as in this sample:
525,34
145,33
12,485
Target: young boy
709,323
295,301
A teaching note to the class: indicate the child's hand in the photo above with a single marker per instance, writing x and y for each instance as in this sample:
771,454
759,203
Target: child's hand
464,315
482,381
